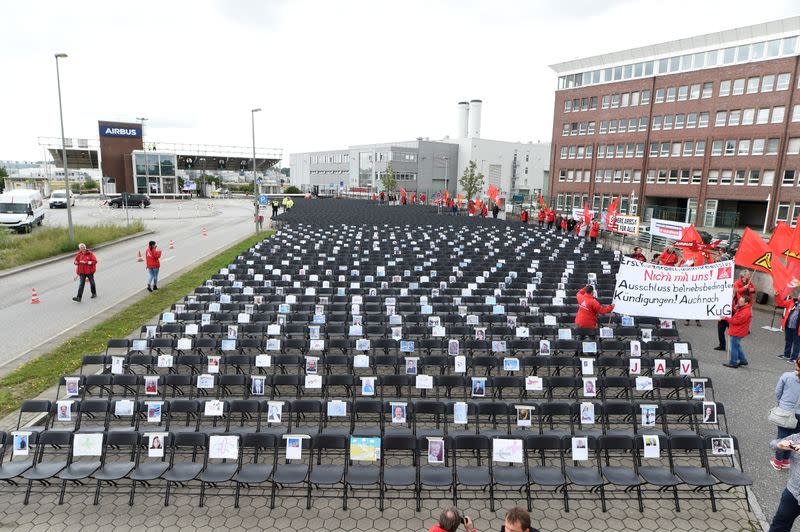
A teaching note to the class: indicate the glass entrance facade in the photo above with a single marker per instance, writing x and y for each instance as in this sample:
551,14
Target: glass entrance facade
154,172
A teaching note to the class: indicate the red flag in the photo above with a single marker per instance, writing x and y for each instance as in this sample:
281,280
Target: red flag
587,217
781,239
611,214
541,200
446,195
498,201
690,238
492,192
793,252
754,253
402,191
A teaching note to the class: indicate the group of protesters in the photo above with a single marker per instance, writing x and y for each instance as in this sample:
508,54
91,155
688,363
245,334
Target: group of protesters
578,225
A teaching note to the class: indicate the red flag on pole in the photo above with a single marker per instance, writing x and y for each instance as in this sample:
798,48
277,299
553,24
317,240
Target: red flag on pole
611,214
754,253
492,192
587,217
402,191
781,239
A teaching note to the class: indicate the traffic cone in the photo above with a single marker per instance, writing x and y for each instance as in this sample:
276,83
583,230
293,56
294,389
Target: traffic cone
171,244
139,257
204,232
34,297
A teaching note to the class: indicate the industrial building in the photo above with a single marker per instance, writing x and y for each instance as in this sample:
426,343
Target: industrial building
704,129
426,165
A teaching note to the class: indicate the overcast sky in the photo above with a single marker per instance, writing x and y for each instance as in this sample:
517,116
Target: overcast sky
326,73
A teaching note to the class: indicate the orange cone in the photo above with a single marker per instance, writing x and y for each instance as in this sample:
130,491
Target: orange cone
204,232
139,257
34,297
171,244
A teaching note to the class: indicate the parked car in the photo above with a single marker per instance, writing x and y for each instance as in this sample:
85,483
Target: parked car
131,200
59,199
21,209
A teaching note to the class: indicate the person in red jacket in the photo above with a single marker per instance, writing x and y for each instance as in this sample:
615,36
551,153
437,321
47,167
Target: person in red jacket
738,328
669,257
449,521
86,265
589,308
153,263
594,231
742,286
540,217
551,218
484,210
422,199
563,224
638,255
578,224
403,199
523,216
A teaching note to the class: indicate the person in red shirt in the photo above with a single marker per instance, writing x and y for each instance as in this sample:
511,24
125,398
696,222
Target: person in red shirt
484,211
669,257
413,198
738,328
523,216
403,200
577,227
449,521
551,218
563,225
86,266
742,286
540,217
589,308
638,255
153,263
383,197
594,231
422,199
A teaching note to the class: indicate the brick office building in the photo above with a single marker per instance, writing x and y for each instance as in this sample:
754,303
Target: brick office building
703,130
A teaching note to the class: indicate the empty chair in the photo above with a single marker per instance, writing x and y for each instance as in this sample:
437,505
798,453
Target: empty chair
329,461
219,467
403,448
654,472
478,476
691,465
622,449
84,459
259,458
117,460
546,453
150,464
587,476
434,473
722,465
52,454
190,449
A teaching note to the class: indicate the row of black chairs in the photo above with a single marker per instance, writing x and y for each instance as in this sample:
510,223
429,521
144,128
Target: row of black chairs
615,466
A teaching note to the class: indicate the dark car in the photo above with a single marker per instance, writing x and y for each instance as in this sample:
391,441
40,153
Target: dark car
131,200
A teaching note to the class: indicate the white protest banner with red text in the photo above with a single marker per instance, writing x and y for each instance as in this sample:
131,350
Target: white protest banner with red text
623,224
694,293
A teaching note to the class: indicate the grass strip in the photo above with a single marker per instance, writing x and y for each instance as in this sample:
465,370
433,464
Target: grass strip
45,242
35,376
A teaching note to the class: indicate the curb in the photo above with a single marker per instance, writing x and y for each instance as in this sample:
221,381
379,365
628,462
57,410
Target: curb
56,258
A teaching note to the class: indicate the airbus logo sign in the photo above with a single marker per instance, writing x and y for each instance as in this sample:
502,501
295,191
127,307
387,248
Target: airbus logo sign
116,131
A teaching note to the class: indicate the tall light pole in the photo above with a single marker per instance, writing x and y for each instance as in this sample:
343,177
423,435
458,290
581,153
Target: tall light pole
71,230
255,187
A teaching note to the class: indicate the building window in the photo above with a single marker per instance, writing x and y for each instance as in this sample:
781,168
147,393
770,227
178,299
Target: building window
654,149
607,176
639,150
567,106
683,92
601,151
752,85
769,178
744,147
783,212
560,201
665,149
700,150
645,97
662,177
716,148
657,122
572,152
768,83
753,177
796,113
783,82
582,130
562,175
697,177
763,116
643,123
748,116
660,95
605,102
593,103
614,101
676,149
684,177
668,121
680,120
778,114
788,178
721,119
738,178
637,176
565,130
617,176
730,147
673,177
772,146
694,92
758,147
708,89
623,126
738,87
563,152
591,128
651,176
703,120
734,117
725,177
713,177
612,126
625,99
725,87
596,202
688,148
691,120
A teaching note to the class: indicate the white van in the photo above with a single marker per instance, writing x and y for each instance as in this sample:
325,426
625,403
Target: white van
21,209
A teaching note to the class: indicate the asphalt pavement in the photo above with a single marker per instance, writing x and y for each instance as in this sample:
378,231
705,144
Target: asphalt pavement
27,330
747,393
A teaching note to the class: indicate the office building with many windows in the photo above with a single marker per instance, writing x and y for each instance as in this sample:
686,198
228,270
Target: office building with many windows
703,130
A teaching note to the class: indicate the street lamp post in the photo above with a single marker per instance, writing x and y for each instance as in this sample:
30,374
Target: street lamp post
71,230
255,187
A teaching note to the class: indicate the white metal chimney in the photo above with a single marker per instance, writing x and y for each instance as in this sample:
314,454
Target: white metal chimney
475,118
463,117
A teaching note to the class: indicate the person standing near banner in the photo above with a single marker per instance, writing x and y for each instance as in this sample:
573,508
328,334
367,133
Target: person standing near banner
743,285
738,328
791,314
594,232
589,308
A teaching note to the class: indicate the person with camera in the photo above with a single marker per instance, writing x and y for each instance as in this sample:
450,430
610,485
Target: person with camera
789,505
449,521
791,313
787,394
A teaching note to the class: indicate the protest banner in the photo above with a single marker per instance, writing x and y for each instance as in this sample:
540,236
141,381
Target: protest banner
626,225
667,228
693,293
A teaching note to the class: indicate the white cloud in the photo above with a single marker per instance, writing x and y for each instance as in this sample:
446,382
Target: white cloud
327,74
